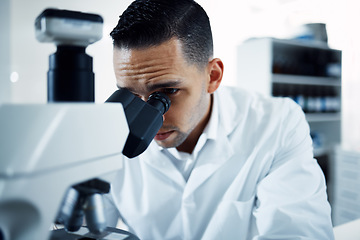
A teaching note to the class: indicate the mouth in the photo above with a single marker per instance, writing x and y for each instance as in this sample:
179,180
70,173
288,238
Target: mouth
162,136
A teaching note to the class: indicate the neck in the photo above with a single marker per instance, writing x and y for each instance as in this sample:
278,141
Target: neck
189,144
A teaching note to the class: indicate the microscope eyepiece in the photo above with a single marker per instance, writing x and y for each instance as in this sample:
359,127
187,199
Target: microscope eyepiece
144,118
160,101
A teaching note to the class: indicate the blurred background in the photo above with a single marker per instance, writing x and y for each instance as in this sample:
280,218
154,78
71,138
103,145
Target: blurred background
244,31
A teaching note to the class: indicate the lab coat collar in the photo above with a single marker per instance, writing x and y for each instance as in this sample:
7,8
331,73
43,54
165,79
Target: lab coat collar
229,113
218,148
210,132
224,112
211,128
215,152
162,164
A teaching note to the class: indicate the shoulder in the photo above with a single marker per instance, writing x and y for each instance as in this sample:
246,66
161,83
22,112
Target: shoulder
247,103
253,118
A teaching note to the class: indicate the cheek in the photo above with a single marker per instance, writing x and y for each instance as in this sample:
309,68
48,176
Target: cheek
181,112
177,113
174,114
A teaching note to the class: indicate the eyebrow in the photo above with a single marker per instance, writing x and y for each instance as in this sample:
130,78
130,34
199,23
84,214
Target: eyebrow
153,87
169,84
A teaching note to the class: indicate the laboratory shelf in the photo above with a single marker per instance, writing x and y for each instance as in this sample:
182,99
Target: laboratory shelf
306,80
323,117
320,151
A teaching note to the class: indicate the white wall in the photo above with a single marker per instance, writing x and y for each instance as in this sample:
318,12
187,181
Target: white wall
30,58
5,87
232,22
351,75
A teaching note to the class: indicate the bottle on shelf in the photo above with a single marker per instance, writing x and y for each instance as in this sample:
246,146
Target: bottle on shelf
311,100
318,97
299,97
323,99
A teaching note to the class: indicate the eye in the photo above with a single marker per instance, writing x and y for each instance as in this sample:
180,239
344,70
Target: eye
170,90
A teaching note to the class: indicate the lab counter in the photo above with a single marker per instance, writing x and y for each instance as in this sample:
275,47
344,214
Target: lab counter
348,231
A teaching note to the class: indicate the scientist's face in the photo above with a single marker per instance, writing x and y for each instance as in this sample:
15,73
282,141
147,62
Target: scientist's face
164,68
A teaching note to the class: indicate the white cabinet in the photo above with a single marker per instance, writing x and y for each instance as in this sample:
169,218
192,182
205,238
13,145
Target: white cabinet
309,73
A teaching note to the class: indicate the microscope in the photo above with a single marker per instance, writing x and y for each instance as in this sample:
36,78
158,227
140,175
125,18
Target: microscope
58,159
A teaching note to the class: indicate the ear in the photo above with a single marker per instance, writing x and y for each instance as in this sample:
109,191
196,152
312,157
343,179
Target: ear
215,71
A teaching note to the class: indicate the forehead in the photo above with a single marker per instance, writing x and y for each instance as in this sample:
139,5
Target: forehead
167,53
141,69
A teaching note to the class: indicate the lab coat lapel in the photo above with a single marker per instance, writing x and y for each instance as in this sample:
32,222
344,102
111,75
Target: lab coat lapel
161,163
217,150
212,157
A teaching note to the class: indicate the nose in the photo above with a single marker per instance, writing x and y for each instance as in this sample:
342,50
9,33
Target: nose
141,97
144,98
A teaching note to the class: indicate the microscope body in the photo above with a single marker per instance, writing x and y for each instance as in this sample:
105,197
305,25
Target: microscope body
47,148
50,153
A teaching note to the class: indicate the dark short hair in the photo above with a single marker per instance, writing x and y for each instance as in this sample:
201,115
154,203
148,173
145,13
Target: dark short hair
147,23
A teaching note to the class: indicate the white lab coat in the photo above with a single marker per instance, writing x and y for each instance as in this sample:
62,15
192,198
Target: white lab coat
254,178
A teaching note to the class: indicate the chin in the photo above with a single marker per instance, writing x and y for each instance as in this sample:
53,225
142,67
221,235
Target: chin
165,144
168,143
173,141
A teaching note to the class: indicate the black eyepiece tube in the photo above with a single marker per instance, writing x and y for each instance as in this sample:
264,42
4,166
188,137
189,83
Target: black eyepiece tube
160,101
144,118
70,75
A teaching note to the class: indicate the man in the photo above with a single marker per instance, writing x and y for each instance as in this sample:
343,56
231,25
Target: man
226,164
